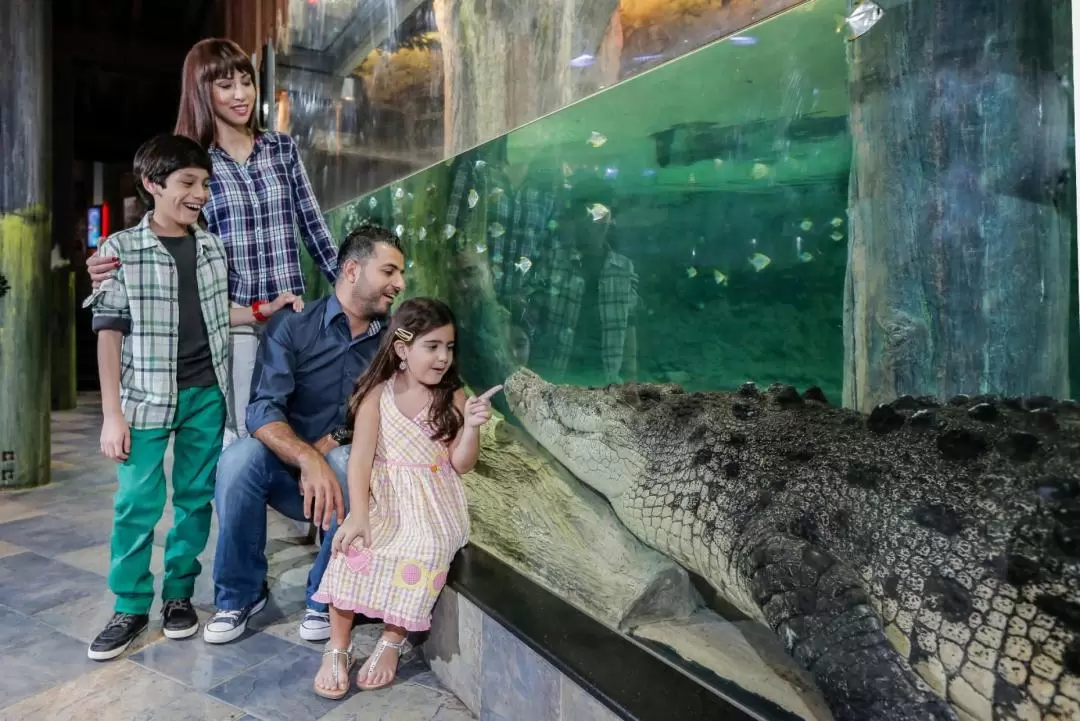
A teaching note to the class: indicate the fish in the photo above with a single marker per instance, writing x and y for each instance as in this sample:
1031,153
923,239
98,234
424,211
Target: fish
836,222
474,198
807,224
523,264
399,230
372,202
448,231
567,171
760,261
691,272
759,171
399,193
480,164
496,230
865,16
692,180
497,193
596,139
718,163
480,248
431,188
422,233
806,256
598,211
837,235
553,225
719,277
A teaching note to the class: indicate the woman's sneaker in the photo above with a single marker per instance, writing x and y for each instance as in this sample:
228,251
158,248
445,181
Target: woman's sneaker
119,632
178,618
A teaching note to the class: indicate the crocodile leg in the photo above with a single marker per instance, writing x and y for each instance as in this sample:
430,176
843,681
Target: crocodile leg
819,609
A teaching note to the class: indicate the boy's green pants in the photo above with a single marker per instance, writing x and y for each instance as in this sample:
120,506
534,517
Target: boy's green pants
140,499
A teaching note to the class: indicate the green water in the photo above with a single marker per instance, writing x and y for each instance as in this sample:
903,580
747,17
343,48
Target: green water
689,225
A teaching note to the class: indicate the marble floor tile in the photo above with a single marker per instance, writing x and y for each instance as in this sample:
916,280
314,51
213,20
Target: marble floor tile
400,702
10,549
203,665
455,710
11,510
280,689
34,657
121,691
31,583
51,535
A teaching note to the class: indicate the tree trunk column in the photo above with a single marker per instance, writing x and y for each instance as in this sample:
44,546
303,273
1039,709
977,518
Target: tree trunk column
25,296
958,266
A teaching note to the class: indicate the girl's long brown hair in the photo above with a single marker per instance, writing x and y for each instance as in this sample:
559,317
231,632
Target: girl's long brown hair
418,316
207,61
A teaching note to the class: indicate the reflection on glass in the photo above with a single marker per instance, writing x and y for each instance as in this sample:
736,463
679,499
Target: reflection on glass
792,206
376,90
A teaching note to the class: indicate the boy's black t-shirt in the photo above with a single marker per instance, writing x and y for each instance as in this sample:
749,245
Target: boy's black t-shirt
194,361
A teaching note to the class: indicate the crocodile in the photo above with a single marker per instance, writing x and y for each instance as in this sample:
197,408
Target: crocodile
922,561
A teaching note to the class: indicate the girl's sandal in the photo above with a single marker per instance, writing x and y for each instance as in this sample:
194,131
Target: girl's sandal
381,645
334,653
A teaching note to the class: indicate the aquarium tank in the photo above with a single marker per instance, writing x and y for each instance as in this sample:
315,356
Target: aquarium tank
863,208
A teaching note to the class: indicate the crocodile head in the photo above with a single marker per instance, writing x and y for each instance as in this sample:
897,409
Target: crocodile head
594,432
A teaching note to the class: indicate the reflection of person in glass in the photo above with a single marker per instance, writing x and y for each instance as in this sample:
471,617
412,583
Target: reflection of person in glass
585,294
519,208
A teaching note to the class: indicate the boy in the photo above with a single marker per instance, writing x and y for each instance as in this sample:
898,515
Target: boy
163,337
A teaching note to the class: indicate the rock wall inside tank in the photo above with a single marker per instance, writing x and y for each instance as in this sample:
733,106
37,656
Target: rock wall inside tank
820,209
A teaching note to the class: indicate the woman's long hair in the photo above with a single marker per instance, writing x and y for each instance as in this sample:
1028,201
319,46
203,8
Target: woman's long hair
418,317
208,61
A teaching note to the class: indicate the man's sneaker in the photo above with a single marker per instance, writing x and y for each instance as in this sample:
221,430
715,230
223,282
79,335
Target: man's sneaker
178,618
315,626
228,626
117,635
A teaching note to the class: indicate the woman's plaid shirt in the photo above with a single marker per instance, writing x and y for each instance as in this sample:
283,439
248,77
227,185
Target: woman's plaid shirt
141,301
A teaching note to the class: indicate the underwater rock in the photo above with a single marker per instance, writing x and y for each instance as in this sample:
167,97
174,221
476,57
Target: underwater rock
543,524
886,535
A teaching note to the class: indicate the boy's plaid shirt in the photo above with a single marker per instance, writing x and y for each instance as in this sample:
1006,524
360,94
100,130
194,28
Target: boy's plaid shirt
142,299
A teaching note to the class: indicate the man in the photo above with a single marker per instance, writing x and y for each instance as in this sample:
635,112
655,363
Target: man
304,373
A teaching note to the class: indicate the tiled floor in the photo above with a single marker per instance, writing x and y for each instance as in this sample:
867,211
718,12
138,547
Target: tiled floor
54,556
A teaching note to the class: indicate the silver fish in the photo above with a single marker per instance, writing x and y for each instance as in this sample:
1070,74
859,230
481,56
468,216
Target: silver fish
865,15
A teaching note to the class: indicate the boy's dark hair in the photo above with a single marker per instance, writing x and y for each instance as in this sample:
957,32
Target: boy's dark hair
161,156
360,243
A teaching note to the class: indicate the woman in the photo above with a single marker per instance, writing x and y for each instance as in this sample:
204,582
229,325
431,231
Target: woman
259,197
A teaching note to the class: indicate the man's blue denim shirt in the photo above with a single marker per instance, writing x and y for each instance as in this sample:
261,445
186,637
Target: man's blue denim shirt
306,367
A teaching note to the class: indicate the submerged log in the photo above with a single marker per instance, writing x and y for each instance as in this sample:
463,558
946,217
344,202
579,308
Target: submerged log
549,527
24,244
958,265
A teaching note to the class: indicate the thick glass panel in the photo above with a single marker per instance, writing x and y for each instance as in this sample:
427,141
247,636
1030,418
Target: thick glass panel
886,213
375,89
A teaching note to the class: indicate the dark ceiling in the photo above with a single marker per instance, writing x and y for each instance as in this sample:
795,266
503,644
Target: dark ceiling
117,68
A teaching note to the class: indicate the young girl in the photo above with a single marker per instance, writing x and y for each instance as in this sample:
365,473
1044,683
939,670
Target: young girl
414,434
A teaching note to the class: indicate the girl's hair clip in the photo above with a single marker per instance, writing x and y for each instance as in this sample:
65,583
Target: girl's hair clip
405,335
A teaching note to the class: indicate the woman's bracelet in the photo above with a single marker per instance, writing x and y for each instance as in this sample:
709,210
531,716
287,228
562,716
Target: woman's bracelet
255,311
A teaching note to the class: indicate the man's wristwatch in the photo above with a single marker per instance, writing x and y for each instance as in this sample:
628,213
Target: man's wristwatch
342,436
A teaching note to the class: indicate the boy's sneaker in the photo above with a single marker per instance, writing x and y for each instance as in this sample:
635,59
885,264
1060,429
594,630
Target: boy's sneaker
315,626
178,618
119,632
228,626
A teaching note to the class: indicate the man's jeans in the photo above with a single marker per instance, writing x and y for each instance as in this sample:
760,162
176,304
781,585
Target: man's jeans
250,478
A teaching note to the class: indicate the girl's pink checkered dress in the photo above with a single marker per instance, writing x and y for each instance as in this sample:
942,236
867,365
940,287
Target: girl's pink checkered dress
419,520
